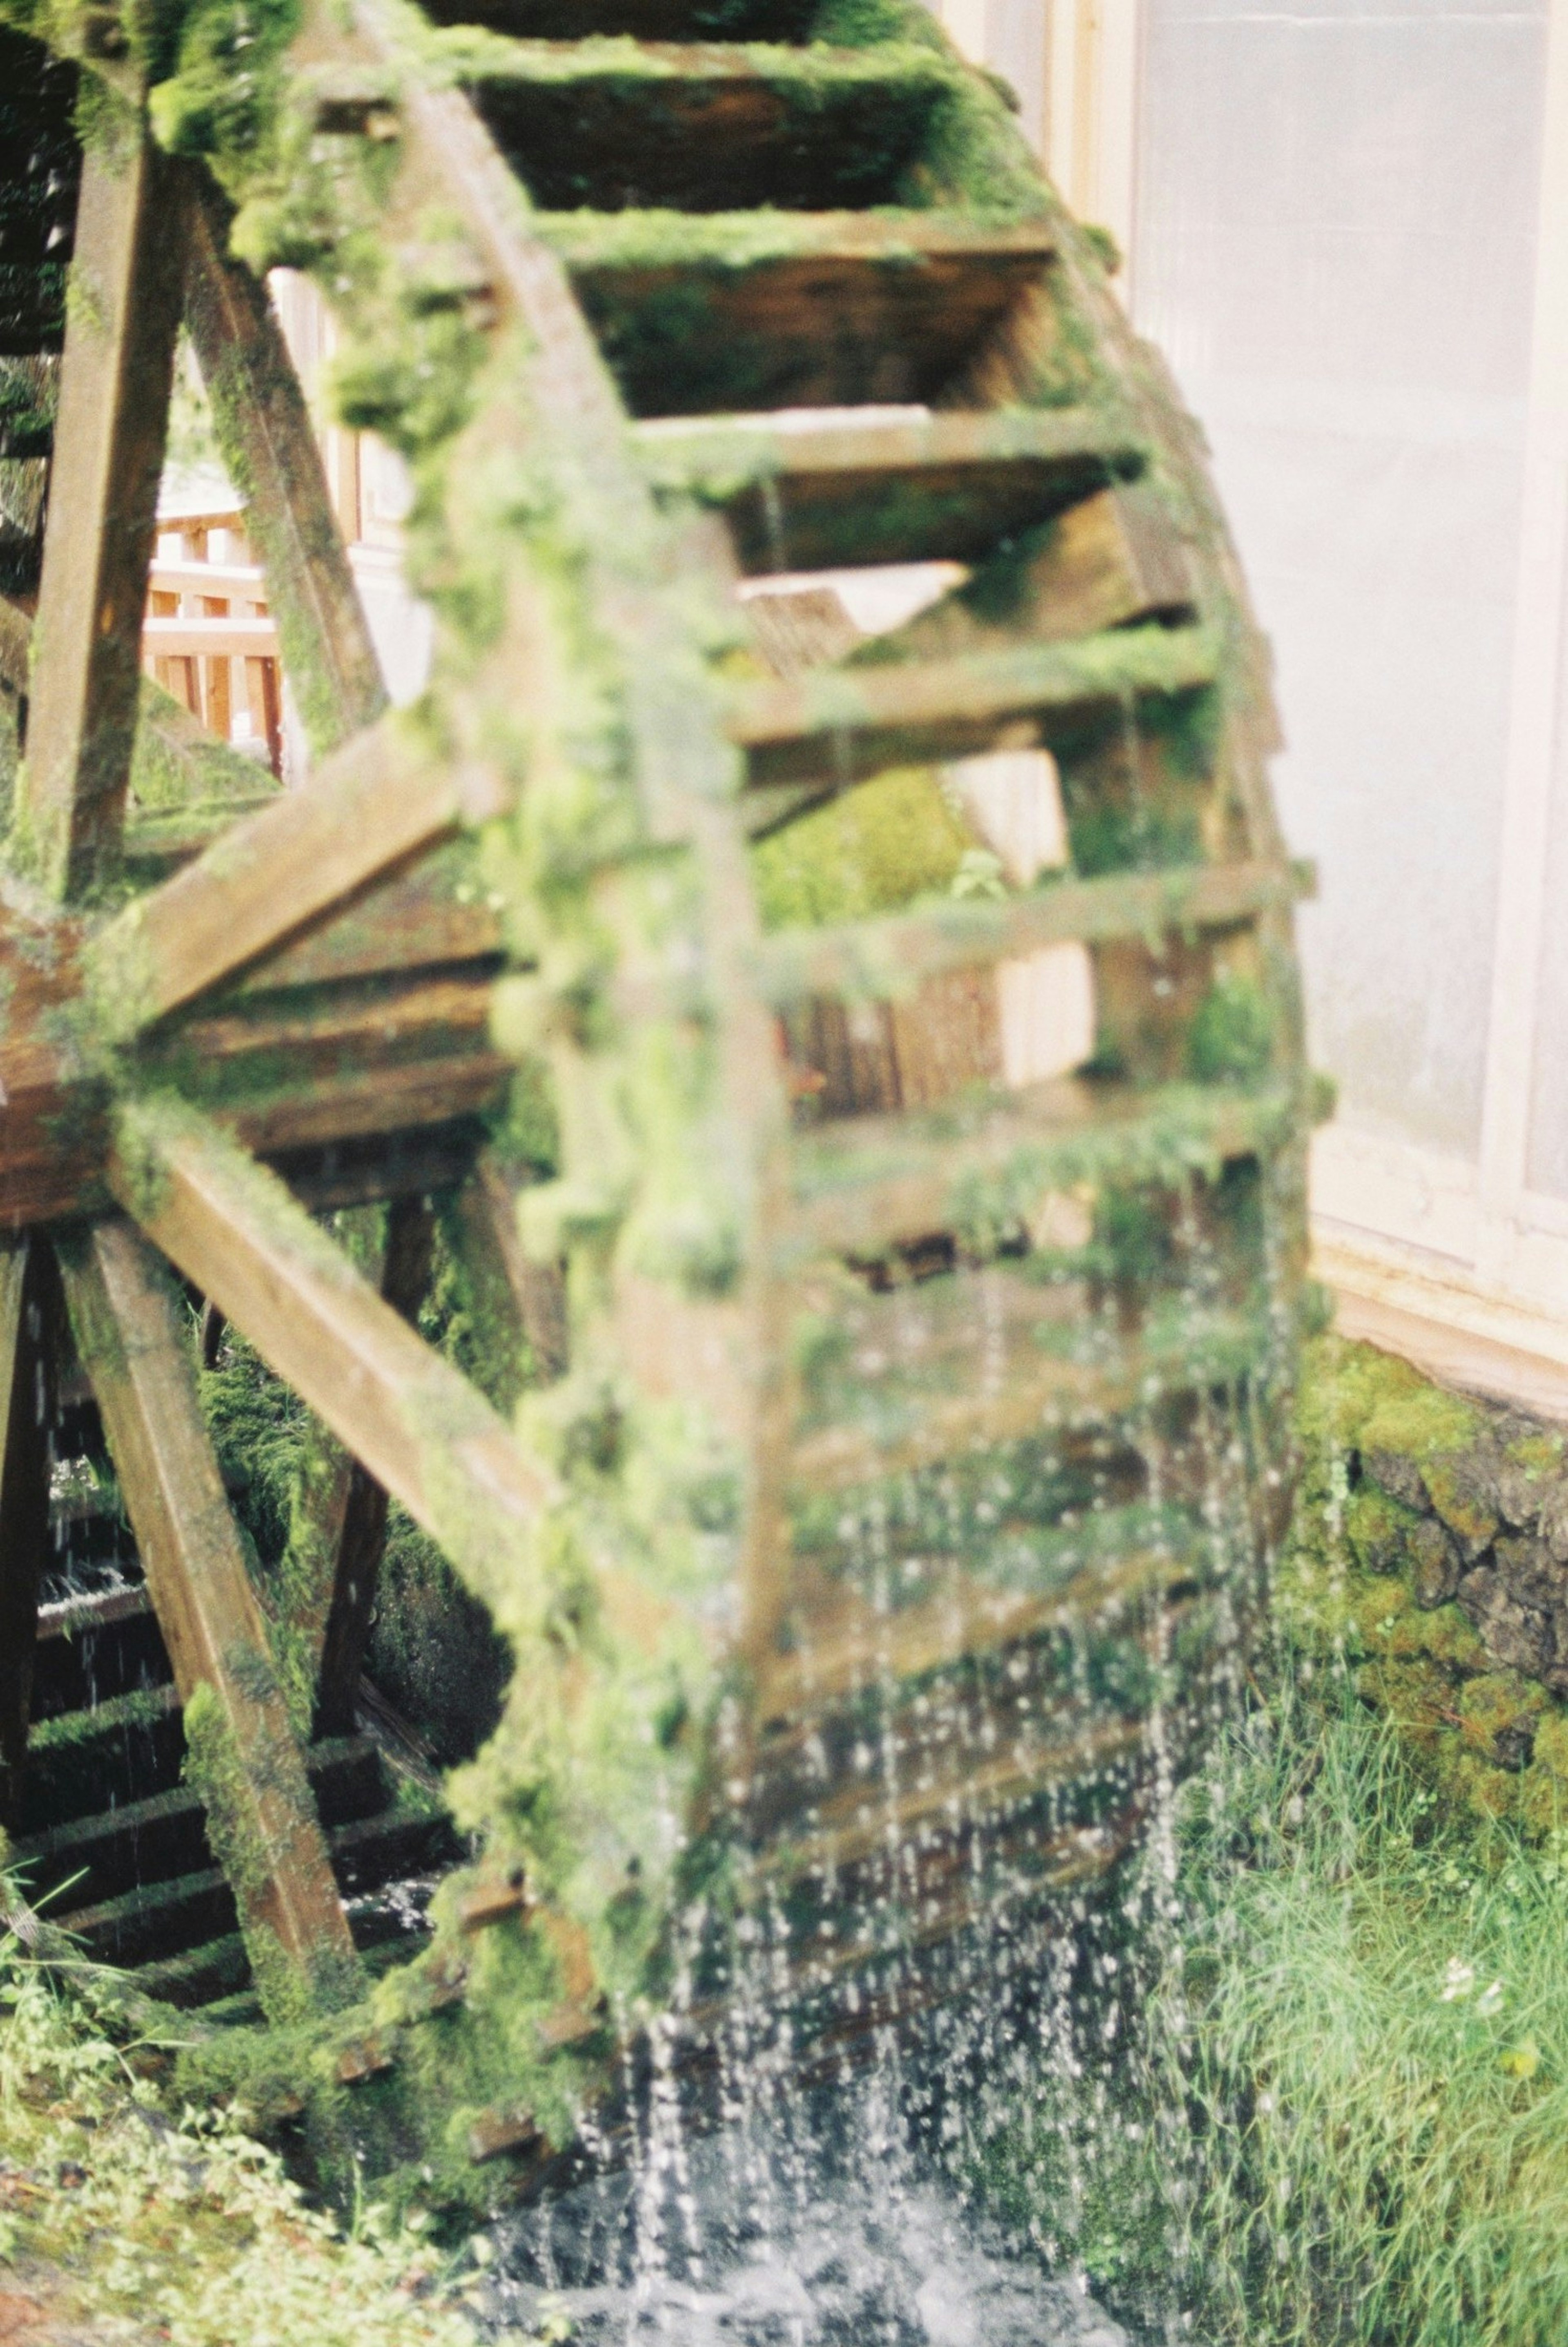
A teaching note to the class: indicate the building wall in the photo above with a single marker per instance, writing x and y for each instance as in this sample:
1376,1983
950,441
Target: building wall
1346,223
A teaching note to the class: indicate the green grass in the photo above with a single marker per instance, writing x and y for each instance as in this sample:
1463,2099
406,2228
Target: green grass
1344,2122
179,2229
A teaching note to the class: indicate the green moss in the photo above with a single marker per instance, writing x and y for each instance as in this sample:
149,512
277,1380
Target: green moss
1375,1527
1230,1039
289,1988
872,850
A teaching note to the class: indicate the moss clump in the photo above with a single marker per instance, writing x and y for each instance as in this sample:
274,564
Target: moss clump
1369,1577
1230,1039
1379,1530
871,851
132,2221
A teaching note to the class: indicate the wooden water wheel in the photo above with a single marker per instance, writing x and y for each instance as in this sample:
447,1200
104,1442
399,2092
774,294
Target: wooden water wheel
913,1403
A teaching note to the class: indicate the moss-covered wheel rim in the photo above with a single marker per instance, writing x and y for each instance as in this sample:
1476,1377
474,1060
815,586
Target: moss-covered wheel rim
821,1341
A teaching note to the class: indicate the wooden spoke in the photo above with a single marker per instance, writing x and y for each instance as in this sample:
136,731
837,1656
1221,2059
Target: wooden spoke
416,1425
114,382
532,1294
28,1312
268,444
362,1525
262,1819
378,801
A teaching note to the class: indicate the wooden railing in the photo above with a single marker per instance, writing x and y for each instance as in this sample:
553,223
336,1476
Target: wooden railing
208,637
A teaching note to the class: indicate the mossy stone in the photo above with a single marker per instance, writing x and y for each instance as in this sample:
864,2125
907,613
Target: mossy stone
1499,1713
1379,1530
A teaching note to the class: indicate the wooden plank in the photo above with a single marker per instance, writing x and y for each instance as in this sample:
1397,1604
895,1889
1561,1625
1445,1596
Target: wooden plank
238,581
27,1356
417,1426
876,960
381,1101
373,1168
129,1324
361,1501
1039,1398
841,725
810,310
644,20
114,382
855,1647
707,126
872,1182
375,803
210,639
1113,560
271,451
907,487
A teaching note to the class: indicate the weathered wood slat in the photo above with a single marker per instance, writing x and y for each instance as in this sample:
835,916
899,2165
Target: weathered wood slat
336,1110
872,961
1111,560
705,126
240,639
128,1329
838,725
27,1352
269,445
379,800
983,1787
863,1186
642,20
855,1646
115,381
908,488
362,1501
811,310
415,1424
1034,1398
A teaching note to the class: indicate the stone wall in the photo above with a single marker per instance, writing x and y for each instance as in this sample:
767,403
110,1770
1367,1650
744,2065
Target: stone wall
1430,1550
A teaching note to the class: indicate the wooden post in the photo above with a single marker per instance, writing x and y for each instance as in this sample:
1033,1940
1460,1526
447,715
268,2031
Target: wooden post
362,1527
251,1771
269,447
115,381
29,1321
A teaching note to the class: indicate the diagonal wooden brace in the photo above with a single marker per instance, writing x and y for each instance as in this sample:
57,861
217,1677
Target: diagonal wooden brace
414,1422
249,1765
114,382
375,803
269,447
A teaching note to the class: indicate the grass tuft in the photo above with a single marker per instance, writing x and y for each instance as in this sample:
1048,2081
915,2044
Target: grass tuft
1344,2122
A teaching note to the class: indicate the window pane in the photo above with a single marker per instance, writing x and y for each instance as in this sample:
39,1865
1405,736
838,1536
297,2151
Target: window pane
1336,249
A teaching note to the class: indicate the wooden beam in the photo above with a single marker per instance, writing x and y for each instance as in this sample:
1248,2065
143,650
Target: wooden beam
378,802
511,1287
129,1322
114,382
417,1424
28,1320
362,1525
271,450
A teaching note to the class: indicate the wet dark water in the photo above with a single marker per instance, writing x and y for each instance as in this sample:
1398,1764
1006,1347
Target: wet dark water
778,2251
